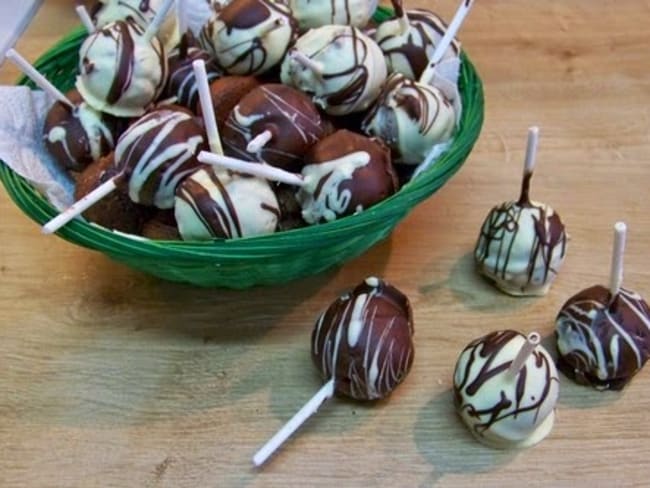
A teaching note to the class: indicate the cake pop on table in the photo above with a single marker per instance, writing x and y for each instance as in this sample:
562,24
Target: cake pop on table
363,347
603,334
522,244
505,389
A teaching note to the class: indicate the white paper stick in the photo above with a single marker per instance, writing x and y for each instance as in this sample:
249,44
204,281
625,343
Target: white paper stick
447,39
80,206
307,62
259,141
85,18
532,341
182,17
205,98
261,170
310,408
37,78
158,20
531,150
616,273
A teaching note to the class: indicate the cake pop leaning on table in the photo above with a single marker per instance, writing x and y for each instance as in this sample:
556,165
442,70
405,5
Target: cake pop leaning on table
603,335
522,244
505,389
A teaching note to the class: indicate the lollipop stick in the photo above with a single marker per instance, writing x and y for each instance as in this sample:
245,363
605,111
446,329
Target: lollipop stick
206,106
157,21
307,62
310,408
529,164
38,78
260,170
531,343
85,18
259,141
80,206
616,274
447,39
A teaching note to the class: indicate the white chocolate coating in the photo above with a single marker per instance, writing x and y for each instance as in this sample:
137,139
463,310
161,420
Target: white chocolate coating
121,73
353,69
521,247
225,205
142,12
317,13
410,118
505,410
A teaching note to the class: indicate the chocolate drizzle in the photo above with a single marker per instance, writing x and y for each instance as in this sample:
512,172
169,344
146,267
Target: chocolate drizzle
182,82
124,72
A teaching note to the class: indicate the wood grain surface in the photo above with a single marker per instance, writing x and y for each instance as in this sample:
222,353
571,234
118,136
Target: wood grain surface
112,378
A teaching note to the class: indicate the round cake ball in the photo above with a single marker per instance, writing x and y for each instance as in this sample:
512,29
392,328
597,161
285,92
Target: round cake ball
157,152
287,116
104,12
77,137
249,37
344,174
408,43
504,409
311,14
121,72
226,93
603,341
339,66
225,205
115,211
410,117
182,82
364,340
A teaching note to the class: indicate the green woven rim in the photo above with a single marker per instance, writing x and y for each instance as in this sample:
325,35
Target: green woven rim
262,260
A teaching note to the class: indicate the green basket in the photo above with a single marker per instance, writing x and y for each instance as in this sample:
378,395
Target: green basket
263,260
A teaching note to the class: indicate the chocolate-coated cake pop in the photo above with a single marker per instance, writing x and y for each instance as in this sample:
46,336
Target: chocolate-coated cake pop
122,71
211,204
157,152
364,340
249,37
339,66
603,340
345,173
77,136
226,92
283,117
504,408
411,118
311,14
522,244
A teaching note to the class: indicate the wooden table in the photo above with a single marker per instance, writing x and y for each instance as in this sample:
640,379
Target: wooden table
112,378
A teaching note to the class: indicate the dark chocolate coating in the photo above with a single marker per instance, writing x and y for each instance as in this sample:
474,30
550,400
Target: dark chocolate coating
290,210
74,151
287,113
226,92
596,333
365,340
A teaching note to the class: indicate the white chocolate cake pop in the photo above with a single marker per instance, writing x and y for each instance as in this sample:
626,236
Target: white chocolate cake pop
505,406
225,205
249,37
104,12
410,117
122,70
339,66
317,13
522,244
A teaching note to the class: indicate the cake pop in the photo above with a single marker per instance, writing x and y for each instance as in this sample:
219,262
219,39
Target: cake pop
409,41
522,244
123,67
311,14
410,117
339,66
506,388
603,335
345,173
226,92
249,37
363,347
275,124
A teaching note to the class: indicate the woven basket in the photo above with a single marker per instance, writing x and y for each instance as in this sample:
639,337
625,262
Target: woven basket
263,260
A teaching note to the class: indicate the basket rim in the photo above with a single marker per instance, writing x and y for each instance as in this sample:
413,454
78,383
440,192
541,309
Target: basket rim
395,207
